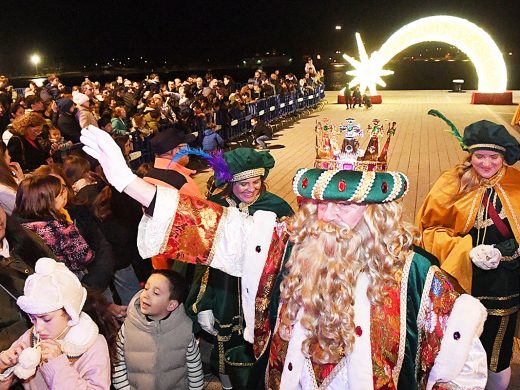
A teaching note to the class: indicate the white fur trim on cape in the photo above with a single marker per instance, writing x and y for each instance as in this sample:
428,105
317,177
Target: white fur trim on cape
153,231
359,364
464,326
291,378
230,241
260,236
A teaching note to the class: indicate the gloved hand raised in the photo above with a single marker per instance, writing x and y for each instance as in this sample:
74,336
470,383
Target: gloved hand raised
485,256
100,145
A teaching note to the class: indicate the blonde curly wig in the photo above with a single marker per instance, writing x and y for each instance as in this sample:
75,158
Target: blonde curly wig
323,269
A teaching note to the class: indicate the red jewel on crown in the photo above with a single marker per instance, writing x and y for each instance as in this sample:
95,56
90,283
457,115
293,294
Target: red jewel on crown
384,187
305,182
342,186
405,186
358,331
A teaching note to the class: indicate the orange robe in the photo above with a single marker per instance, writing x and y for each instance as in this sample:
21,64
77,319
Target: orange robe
446,219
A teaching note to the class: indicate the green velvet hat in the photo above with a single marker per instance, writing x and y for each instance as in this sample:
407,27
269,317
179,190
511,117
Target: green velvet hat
245,163
352,186
486,135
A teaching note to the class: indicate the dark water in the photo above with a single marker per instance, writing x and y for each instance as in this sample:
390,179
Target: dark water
426,75
408,75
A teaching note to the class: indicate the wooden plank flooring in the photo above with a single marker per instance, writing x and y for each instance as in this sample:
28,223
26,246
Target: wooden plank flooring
422,148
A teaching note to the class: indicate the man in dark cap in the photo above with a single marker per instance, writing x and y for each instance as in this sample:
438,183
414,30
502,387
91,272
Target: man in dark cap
67,122
169,173
165,171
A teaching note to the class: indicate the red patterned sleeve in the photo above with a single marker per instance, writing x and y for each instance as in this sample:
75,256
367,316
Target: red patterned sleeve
193,231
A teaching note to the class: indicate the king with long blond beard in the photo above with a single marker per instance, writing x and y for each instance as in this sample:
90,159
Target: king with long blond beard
354,306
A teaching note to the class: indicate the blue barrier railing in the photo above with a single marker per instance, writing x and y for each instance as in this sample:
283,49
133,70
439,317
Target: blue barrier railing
274,108
238,122
20,91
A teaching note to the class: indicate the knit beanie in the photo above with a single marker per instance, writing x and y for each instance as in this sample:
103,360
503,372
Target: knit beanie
64,105
79,98
52,287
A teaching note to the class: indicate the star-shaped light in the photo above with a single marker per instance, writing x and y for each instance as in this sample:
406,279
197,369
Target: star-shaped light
368,71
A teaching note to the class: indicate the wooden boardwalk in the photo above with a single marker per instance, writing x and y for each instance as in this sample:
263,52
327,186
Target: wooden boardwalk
420,148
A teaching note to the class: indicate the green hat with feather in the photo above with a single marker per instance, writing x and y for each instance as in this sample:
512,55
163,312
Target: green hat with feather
485,135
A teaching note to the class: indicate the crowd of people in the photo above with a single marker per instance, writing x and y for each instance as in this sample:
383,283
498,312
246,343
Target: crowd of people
111,276
199,105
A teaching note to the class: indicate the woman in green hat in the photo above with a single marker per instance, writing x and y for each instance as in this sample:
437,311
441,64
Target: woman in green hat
353,305
219,294
470,220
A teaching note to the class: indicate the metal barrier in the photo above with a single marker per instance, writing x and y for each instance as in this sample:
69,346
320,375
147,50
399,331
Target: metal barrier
274,108
238,122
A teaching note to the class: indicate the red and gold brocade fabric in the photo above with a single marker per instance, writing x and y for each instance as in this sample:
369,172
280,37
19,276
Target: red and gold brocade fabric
322,371
193,231
277,354
263,296
385,327
442,296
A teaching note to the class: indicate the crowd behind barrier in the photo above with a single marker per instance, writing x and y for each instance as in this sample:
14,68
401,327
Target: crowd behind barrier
143,109
271,110
55,201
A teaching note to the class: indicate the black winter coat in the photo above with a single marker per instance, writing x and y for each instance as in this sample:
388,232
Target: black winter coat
69,127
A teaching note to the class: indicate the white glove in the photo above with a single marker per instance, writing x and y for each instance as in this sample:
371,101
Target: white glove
485,256
100,145
206,320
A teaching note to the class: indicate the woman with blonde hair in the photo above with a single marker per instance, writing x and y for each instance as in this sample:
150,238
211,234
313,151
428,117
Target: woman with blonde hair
470,221
24,146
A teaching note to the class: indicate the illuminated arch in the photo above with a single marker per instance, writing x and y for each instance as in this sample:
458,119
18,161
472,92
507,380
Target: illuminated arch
466,36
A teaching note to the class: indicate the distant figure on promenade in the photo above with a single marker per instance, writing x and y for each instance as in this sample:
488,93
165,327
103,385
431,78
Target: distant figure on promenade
367,101
356,96
348,96
261,132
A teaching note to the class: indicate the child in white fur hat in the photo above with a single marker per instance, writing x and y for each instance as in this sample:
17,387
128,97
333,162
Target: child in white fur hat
63,349
83,115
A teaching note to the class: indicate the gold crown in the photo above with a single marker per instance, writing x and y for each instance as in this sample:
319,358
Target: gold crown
329,154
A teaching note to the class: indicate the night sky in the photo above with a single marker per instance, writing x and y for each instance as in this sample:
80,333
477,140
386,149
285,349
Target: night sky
74,33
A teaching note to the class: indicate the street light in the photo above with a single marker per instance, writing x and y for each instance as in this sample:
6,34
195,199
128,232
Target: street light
338,27
36,59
